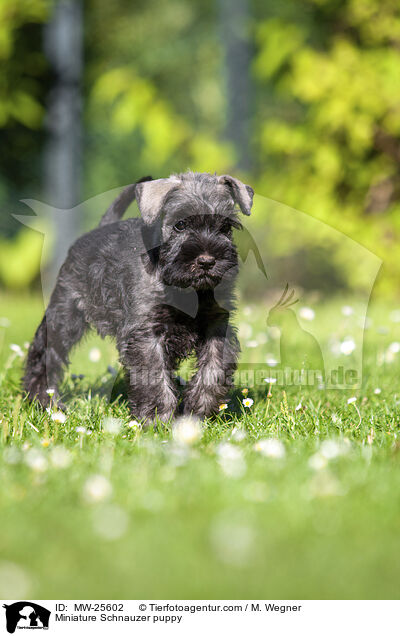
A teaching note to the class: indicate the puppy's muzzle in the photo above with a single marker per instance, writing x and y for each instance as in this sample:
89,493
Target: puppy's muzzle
206,261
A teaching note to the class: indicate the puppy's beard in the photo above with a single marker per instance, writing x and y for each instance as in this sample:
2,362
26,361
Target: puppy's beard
197,282
183,270
205,281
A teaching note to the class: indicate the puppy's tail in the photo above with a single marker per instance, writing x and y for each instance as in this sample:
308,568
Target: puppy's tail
117,208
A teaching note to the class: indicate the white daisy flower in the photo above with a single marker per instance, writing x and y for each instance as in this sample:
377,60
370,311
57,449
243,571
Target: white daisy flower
186,430
247,402
377,391
317,461
94,354
231,460
330,448
351,400
347,310
17,350
270,448
347,346
394,347
270,380
306,313
96,488
36,460
223,406
59,417
134,424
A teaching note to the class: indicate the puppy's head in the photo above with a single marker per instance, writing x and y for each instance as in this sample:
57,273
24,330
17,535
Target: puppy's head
194,215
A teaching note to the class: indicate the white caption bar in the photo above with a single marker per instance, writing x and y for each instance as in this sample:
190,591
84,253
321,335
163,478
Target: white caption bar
177,617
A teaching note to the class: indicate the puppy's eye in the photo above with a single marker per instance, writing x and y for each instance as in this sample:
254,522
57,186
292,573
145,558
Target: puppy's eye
226,227
180,226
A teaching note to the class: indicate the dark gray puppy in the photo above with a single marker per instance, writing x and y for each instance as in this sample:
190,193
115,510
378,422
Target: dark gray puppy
151,284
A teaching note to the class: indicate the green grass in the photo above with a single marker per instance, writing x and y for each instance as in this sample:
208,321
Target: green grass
213,519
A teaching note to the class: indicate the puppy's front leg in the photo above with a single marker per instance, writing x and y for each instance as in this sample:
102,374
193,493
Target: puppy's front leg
216,359
149,369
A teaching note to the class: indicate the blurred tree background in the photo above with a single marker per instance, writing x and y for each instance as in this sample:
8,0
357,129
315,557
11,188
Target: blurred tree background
301,98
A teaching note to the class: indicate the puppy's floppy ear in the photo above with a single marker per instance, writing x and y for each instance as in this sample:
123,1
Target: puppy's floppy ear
242,194
150,196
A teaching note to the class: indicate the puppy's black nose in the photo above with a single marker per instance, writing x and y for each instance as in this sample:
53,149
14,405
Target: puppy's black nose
206,261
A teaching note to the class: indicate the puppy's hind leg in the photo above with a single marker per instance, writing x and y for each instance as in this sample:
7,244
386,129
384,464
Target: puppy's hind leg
60,329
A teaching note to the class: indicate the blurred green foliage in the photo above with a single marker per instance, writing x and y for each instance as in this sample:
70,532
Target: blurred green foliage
19,93
334,139
325,106
24,81
20,259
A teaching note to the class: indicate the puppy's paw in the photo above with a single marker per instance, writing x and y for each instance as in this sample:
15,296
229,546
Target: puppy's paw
164,418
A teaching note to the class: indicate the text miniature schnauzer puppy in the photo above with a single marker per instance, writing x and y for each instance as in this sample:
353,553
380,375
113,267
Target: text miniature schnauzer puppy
161,285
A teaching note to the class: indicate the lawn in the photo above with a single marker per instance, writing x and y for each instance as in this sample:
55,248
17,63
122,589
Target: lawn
295,496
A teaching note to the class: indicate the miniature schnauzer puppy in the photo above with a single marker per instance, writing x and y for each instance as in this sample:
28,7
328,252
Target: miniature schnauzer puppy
161,285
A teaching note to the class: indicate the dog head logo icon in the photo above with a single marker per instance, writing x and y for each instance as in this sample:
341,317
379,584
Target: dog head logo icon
26,615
